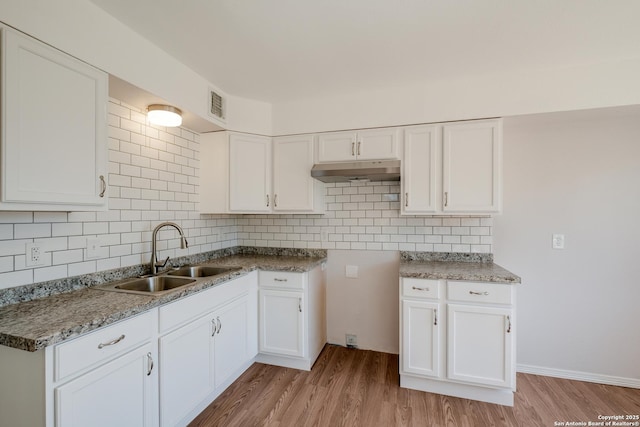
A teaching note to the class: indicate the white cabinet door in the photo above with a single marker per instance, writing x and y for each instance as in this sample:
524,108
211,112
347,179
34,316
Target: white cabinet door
370,144
421,167
293,187
231,346
54,143
249,173
336,146
420,338
375,144
187,369
281,322
479,345
119,393
471,166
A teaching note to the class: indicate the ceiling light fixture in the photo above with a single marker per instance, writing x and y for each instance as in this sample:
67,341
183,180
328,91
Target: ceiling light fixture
164,115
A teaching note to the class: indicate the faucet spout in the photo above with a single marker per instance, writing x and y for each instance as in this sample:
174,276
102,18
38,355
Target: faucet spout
155,264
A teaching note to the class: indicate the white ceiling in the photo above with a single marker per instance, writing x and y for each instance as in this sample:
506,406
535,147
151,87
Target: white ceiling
279,50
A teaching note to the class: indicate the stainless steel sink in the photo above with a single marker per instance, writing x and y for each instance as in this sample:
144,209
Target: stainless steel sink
154,285
201,271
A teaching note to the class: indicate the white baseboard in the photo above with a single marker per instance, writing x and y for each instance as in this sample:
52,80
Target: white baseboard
580,376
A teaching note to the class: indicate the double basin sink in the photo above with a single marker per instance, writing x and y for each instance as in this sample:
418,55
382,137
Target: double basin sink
169,281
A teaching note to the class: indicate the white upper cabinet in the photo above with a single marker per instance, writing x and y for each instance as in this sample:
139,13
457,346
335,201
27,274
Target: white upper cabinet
452,168
471,168
249,173
421,169
369,144
293,187
238,171
54,142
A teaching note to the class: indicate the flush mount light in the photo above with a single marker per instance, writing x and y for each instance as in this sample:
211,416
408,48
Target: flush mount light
164,115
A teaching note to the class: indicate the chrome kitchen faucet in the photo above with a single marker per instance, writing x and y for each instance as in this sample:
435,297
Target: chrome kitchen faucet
155,265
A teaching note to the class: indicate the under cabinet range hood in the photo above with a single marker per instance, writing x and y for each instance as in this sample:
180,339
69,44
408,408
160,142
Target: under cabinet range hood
378,170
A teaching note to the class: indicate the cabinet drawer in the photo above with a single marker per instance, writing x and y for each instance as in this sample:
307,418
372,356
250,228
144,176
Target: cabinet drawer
281,279
102,345
489,293
420,288
186,309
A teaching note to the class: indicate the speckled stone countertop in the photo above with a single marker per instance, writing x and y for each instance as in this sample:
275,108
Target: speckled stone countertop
477,268
35,324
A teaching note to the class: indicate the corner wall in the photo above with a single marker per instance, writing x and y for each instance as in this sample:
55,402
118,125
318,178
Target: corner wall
577,308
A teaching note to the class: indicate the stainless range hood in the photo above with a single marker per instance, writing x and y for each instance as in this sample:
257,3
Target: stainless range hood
378,170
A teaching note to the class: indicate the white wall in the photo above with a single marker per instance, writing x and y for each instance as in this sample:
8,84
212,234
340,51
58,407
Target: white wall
153,177
366,306
85,31
578,175
498,95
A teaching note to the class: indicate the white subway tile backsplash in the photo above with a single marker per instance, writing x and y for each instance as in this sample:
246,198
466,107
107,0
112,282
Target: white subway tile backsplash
30,231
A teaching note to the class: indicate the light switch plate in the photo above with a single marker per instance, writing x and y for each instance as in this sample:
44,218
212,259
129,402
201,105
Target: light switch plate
93,248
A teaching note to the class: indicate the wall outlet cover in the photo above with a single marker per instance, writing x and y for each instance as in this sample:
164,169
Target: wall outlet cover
352,340
351,271
34,255
557,241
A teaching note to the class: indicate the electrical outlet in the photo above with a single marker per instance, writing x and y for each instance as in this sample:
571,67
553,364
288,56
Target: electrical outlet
352,340
557,241
324,234
34,254
351,271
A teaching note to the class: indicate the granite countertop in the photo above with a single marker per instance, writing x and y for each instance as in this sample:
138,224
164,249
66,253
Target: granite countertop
457,270
38,323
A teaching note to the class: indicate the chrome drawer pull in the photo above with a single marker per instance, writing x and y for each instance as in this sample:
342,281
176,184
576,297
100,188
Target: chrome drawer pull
116,341
435,317
509,327
478,293
420,289
279,280
219,328
215,327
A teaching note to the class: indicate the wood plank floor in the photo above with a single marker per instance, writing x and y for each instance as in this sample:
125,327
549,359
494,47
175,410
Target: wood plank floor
360,388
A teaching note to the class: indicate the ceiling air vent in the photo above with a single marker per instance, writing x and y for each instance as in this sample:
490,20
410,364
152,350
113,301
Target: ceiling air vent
216,105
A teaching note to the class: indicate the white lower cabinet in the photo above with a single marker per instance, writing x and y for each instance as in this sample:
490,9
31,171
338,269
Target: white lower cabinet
119,393
187,363
421,338
201,357
292,326
469,352
282,328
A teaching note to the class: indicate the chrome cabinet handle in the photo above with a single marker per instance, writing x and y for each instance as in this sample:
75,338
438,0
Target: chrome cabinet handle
300,305
103,184
149,363
446,198
509,325
267,200
419,289
435,317
478,293
359,142
219,325
406,199
279,280
275,201
215,327
113,342
353,148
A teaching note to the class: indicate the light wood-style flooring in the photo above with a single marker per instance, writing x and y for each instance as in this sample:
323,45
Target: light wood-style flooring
349,387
